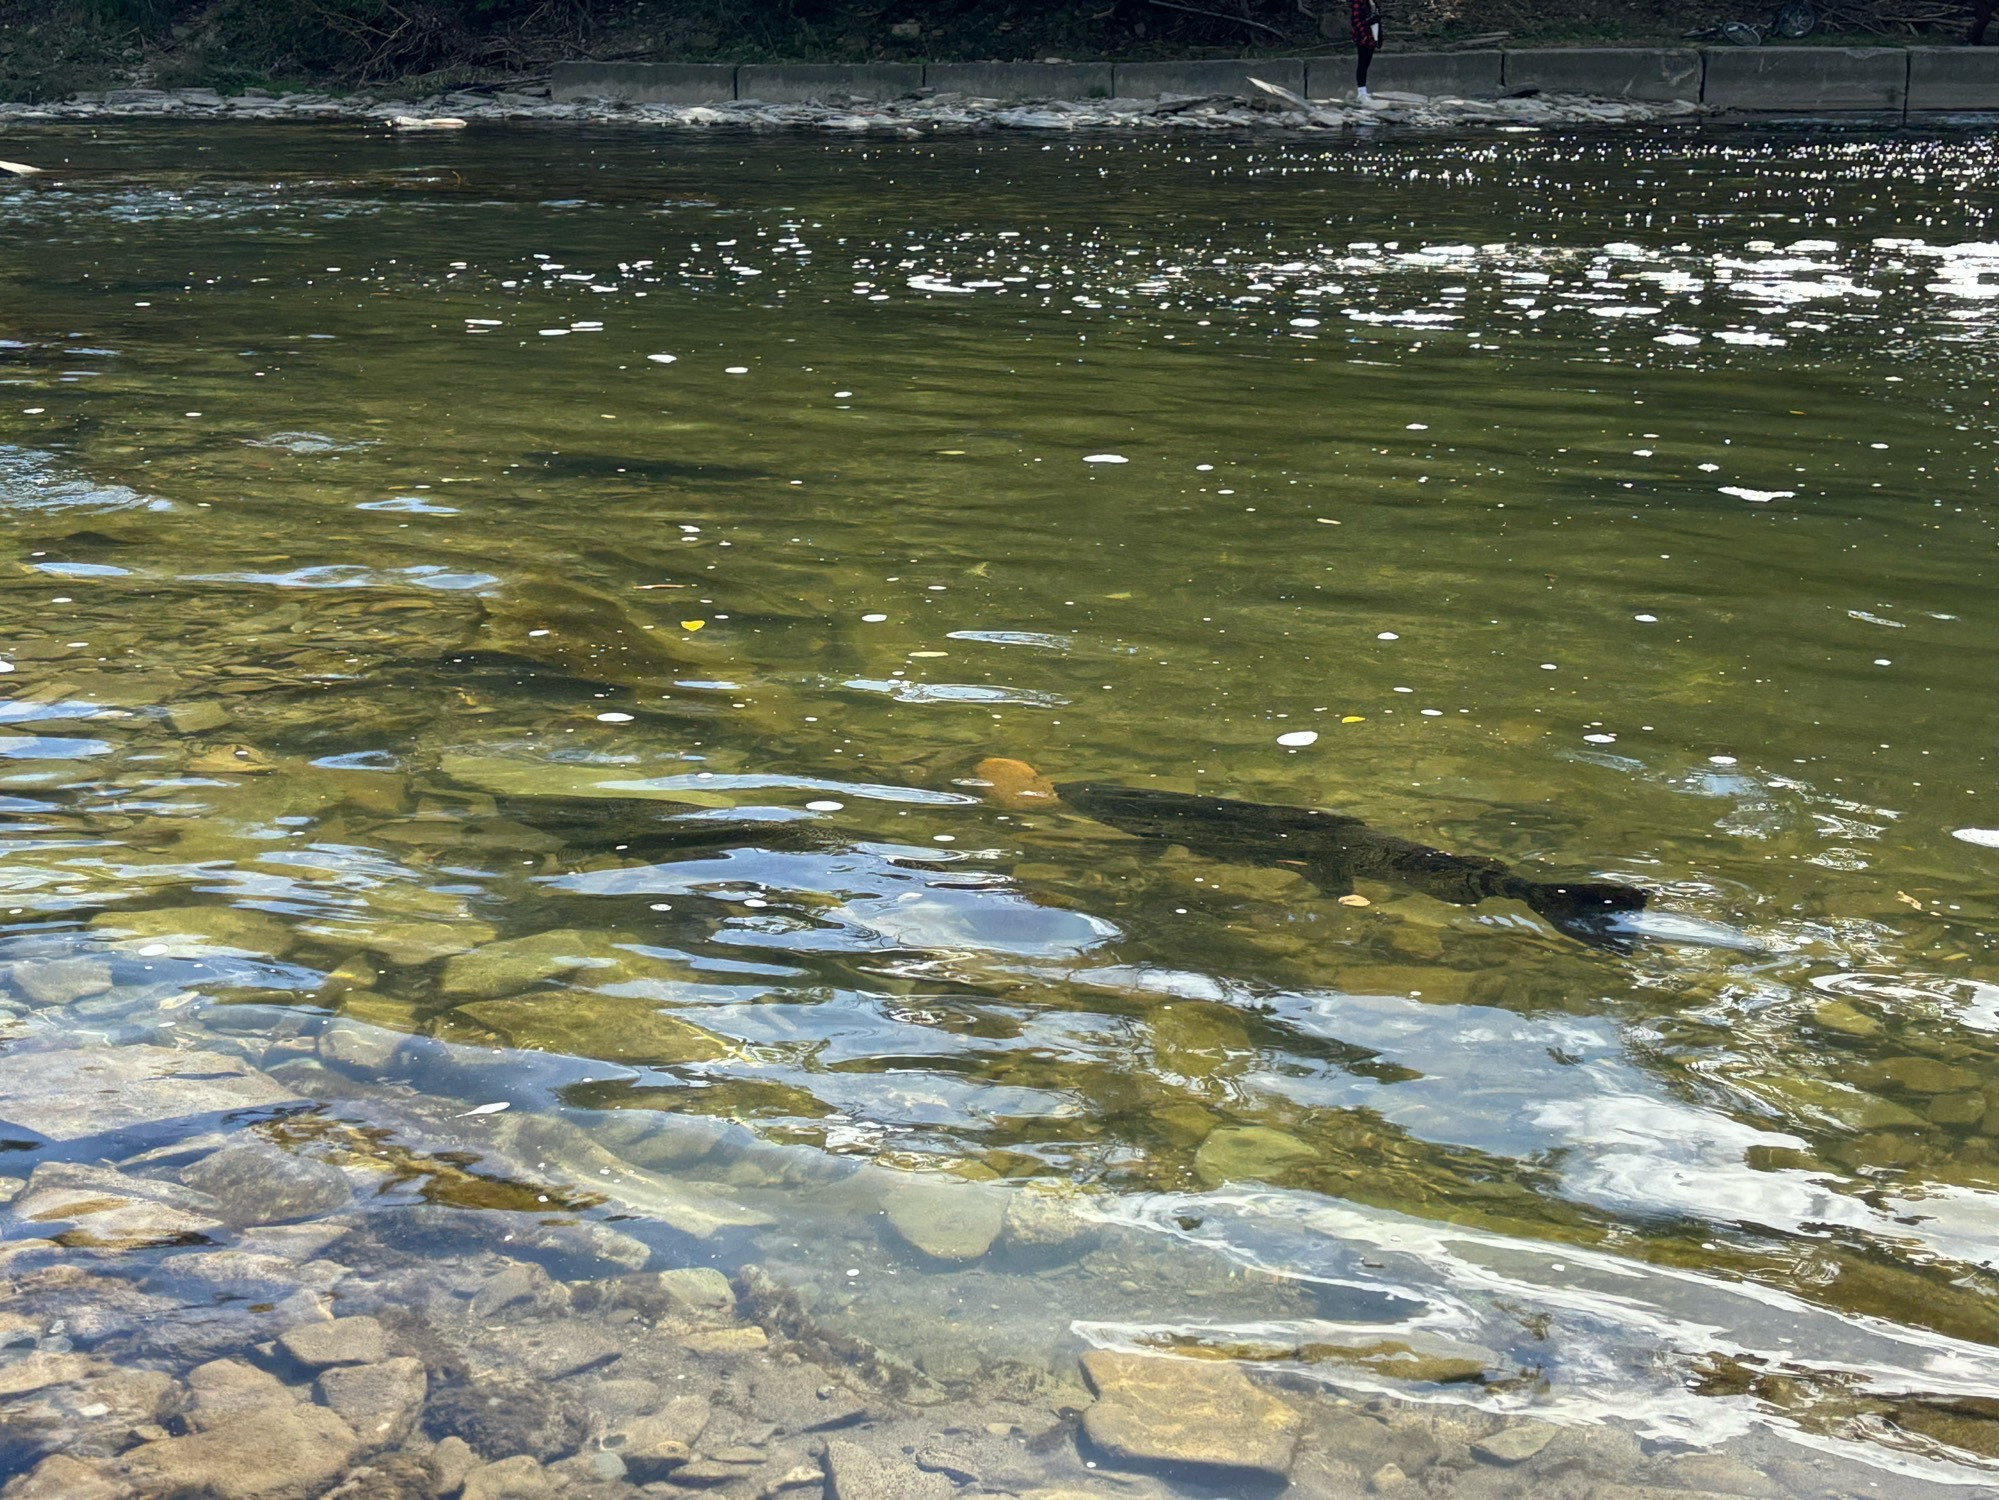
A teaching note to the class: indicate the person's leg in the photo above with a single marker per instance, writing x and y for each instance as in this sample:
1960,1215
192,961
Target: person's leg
1365,18
1981,17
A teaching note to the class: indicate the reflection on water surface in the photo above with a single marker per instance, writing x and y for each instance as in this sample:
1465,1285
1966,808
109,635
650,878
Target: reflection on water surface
501,631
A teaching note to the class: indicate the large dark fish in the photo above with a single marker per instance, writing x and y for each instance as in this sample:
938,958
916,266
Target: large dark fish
1330,849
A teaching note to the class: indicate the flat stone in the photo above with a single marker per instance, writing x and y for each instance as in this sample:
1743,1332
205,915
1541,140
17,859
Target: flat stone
40,1370
339,1341
650,1446
263,1185
857,1473
407,944
277,1453
238,1276
516,1478
380,1401
60,1477
611,1028
58,981
699,1289
954,1222
224,1389
194,931
1515,1444
1163,1410
100,1208
515,964
73,1094
727,1340
354,1045
551,1350
1918,1075
1249,1152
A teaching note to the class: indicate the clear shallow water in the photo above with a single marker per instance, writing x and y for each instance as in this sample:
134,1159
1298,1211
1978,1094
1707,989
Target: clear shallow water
1611,506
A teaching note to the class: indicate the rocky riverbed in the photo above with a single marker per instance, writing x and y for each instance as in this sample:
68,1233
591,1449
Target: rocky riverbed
262,1254
916,114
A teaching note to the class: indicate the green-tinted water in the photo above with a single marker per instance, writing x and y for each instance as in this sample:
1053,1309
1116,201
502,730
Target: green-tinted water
547,593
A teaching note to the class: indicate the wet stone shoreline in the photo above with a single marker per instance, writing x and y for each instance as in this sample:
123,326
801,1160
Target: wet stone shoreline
914,115
256,1252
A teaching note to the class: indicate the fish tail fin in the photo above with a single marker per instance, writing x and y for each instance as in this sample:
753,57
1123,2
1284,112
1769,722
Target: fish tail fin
1584,908
1014,783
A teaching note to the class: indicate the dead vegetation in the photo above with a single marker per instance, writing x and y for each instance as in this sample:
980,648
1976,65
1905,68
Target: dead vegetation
52,47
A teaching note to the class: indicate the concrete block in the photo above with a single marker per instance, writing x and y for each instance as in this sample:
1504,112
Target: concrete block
1148,80
802,83
644,83
1808,79
1954,78
1021,80
1658,73
1462,75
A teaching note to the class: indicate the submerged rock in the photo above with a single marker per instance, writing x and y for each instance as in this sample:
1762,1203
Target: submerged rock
276,1453
341,1341
1249,1152
101,1208
262,1185
72,1094
857,1473
379,1401
956,1222
58,981
1515,1444
1162,1410
610,1028
223,1389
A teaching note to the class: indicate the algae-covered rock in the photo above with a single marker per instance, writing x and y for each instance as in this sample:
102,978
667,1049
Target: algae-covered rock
1846,1018
409,943
945,1221
518,776
1162,1410
1919,1075
191,931
515,964
1249,1152
1960,1110
610,1028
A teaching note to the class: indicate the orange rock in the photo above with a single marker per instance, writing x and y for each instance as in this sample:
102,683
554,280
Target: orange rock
1014,783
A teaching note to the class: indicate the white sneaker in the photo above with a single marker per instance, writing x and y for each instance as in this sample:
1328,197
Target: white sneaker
1361,96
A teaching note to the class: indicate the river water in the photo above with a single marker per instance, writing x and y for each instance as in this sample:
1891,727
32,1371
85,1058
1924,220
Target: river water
500,630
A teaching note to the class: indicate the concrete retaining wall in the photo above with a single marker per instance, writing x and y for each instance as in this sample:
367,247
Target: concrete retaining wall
999,80
1462,75
1656,73
1808,79
1799,80
1148,80
1953,78
827,83
644,83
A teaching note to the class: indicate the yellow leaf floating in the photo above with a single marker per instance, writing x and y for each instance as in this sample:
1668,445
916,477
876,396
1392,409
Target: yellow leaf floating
1355,901
692,624
1354,719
